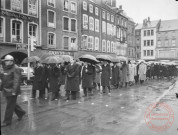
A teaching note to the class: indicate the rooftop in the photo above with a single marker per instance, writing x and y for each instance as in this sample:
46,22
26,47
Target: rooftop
168,25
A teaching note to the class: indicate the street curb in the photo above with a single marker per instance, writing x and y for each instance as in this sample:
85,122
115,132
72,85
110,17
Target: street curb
167,91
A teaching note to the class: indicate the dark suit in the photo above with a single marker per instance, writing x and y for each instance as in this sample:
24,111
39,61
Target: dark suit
37,80
72,84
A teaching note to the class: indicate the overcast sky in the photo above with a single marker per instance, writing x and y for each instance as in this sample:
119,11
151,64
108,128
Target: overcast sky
155,9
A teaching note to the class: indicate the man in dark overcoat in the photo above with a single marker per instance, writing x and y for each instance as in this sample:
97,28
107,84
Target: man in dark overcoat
11,81
106,75
37,80
87,78
115,75
72,83
54,73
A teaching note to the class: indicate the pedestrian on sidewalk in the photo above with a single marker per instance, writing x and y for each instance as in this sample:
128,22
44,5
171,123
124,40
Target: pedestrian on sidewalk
97,80
54,73
142,72
106,76
73,78
125,73
87,79
11,81
37,80
115,75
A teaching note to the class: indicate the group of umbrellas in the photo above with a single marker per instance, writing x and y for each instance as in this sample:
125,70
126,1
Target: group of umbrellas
49,58
54,59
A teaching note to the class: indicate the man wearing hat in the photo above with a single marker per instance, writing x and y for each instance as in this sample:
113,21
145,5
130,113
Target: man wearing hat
11,89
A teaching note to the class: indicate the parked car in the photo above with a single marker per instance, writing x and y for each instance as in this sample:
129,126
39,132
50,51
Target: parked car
24,71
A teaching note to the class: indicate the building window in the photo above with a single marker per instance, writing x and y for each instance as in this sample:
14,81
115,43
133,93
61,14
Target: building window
152,32
96,25
152,42
90,42
91,8
2,3
73,25
113,31
152,53
148,52
66,23
112,47
103,26
73,43
104,15
159,43
144,52
173,42
91,23
84,5
85,21
103,45
108,29
66,43
32,30
73,7
2,26
16,31
96,11
84,42
51,18
144,32
32,7
173,34
51,39
112,18
96,44
66,5
144,42
148,32
166,43
108,16
16,5
148,42
108,46
51,3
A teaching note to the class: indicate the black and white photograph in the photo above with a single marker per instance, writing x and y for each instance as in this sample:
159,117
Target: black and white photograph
89,67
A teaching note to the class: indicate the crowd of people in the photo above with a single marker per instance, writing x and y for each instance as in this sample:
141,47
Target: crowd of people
75,75
101,77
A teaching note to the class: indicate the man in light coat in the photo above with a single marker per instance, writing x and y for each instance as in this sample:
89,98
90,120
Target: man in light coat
142,72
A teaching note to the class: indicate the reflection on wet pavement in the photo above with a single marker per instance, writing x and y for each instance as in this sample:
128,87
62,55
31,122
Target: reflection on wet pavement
98,115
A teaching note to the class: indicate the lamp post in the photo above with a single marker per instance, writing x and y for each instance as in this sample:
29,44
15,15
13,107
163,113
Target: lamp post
28,52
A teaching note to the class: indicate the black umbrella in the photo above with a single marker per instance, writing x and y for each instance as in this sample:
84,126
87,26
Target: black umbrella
31,59
89,58
104,58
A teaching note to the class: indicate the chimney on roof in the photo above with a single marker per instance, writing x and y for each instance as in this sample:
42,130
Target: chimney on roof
120,7
149,20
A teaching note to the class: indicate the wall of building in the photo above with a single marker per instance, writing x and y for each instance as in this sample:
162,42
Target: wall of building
150,47
167,45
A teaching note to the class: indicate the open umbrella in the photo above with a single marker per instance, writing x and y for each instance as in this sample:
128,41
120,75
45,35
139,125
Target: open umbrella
52,60
66,58
89,58
141,60
121,58
45,55
103,58
31,59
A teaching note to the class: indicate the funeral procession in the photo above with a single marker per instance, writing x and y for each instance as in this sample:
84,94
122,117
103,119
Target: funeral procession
89,67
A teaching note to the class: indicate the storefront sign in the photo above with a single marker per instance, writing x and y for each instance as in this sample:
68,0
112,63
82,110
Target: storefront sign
19,16
61,53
